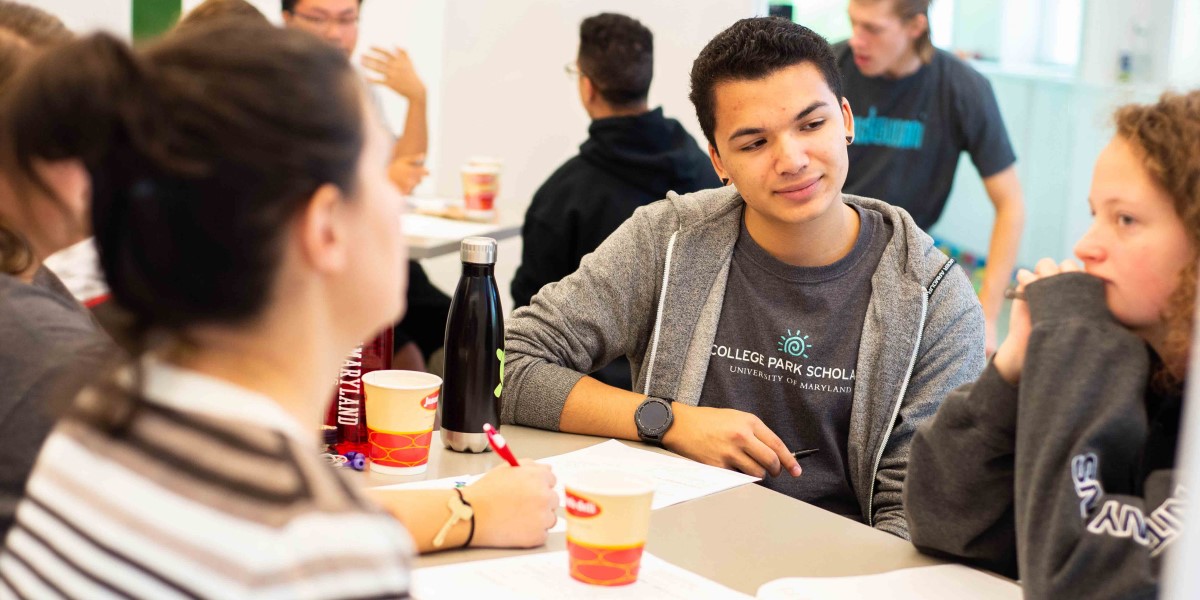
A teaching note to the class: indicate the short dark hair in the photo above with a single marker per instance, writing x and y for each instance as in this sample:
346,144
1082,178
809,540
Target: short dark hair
754,49
290,5
617,53
195,169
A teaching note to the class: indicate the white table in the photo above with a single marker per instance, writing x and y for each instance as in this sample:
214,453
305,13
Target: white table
741,538
428,236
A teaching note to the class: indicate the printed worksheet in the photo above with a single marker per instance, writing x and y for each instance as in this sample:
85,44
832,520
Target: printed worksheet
545,577
675,479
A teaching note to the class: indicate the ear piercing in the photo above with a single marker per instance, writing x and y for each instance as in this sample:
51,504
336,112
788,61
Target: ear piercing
849,140
724,181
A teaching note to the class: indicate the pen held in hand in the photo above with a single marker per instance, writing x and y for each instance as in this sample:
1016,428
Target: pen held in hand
799,454
499,445
1014,294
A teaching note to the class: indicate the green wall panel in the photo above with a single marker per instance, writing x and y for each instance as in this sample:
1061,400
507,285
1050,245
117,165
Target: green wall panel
152,17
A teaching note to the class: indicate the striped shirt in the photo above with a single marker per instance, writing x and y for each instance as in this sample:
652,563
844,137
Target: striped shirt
212,492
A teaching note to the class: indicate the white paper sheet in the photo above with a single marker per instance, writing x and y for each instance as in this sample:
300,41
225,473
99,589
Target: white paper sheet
545,577
445,483
436,227
921,583
676,479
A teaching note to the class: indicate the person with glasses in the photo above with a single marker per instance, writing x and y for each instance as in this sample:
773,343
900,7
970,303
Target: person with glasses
633,156
336,21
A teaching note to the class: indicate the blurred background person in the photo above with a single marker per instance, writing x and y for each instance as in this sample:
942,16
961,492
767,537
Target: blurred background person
916,109
422,332
336,22
49,343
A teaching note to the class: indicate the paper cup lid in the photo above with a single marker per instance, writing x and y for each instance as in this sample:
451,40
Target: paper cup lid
482,169
402,380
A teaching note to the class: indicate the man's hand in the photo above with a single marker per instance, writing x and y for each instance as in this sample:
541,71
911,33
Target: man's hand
729,438
395,70
406,171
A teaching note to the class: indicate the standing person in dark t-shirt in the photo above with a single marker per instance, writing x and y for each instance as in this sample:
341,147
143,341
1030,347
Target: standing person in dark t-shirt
633,156
916,109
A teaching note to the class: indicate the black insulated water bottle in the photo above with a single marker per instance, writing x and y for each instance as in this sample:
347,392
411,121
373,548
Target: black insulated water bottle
474,369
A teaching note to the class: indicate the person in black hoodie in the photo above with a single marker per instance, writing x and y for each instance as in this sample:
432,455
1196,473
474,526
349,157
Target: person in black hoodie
1057,465
633,156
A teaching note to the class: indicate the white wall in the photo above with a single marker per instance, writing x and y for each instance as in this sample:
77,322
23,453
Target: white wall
115,16
1183,70
1110,28
418,27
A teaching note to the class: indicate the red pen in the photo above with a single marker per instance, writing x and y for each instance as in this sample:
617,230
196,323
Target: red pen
499,445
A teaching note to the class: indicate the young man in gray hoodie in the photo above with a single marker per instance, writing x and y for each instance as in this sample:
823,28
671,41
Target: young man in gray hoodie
772,315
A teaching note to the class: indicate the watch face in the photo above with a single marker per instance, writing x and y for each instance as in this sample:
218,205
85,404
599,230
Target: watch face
653,416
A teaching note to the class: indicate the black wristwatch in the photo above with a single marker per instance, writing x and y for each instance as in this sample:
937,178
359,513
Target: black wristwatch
653,418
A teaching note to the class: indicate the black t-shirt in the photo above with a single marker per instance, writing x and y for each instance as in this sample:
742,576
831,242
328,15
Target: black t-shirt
786,350
909,132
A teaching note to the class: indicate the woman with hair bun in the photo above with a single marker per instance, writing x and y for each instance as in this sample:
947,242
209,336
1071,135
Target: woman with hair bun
244,217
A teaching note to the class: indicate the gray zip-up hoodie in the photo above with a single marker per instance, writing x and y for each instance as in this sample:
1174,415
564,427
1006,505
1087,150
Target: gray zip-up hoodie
653,292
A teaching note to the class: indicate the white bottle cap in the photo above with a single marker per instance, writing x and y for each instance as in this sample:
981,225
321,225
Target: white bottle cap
479,250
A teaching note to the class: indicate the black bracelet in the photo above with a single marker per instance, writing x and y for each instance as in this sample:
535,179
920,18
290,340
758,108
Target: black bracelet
470,535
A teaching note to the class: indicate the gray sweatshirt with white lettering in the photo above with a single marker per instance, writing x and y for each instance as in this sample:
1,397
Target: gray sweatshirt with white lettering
653,292
1066,479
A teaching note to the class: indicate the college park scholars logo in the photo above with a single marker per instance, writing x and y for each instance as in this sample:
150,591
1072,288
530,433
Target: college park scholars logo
581,507
794,344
